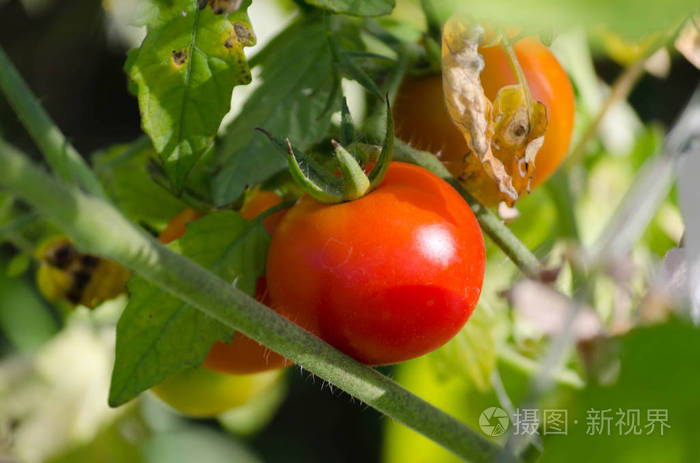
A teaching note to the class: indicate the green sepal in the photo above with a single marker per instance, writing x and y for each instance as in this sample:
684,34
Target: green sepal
379,170
355,181
309,174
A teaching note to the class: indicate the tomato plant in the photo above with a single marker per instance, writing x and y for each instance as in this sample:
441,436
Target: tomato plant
423,120
383,278
383,266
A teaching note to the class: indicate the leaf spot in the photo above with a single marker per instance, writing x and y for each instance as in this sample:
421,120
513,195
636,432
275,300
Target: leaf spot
179,58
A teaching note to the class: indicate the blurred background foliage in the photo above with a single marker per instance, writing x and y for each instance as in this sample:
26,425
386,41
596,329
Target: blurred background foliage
55,363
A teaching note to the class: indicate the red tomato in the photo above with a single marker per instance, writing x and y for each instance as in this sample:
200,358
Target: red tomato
243,355
423,121
385,278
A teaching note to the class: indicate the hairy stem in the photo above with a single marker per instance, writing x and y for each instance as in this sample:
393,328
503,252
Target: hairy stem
99,228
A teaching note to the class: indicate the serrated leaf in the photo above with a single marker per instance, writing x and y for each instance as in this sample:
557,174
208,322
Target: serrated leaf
355,8
158,334
122,172
292,101
472,353
185,72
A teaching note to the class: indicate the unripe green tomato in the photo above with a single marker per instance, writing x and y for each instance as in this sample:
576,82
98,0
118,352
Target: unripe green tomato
200,392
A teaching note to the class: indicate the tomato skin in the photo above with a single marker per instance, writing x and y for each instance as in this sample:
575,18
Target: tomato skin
423,121
385,278
176,226
242,355
259,203
200,392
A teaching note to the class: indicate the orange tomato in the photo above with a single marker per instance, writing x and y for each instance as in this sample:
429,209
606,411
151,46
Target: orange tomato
422,119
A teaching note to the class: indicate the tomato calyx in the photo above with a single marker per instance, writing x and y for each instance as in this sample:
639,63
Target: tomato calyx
353,183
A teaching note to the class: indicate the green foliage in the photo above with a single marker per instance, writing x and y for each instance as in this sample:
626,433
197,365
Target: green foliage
647,16
30,327
18,265
122,171
355,8
655,373
472,353
299,90
185,71
159,334
156,13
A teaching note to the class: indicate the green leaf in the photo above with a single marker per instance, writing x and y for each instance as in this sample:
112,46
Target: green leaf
292,101
472,353
351,70
657,371
347,127
158,334
25,319
122,172
154,13
185,72
18,265
355,7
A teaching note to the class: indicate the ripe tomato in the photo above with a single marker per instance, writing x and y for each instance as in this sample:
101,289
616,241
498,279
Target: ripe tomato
384,278
201,392
243,355
423,121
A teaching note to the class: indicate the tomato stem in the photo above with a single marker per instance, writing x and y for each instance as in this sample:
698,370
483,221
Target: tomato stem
512,58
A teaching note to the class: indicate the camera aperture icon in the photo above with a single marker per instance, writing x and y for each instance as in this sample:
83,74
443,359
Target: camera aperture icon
494,421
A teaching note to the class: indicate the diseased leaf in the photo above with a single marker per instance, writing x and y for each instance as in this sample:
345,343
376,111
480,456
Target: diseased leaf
158,334
355,7
292,102
503,135
185,72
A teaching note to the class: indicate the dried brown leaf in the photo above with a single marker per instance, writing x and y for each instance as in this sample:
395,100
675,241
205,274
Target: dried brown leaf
504,135
467,103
